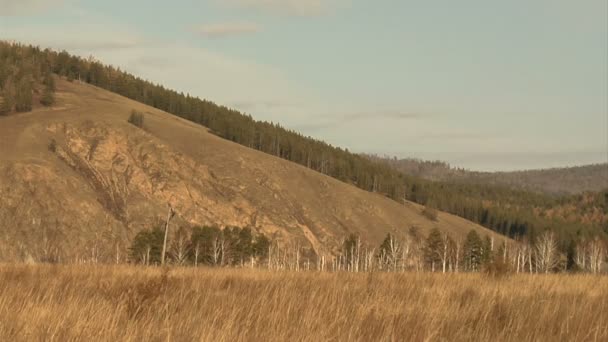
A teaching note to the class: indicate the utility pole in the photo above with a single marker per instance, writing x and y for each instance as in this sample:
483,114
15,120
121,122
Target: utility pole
169,217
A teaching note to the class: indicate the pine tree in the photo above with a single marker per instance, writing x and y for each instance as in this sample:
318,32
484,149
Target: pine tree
244,244
433,249
24,96
48,97
473,251
49,81
147,245
260,246
349,248
6,105
385,246
6,88
203,239
390,252
487,254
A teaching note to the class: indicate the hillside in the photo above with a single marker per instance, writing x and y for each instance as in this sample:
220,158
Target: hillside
78,178
27,81
556,181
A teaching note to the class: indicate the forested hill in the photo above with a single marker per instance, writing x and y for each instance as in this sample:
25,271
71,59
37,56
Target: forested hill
555,181
24,77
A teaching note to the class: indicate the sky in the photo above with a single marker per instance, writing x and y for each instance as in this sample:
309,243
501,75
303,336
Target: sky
484,85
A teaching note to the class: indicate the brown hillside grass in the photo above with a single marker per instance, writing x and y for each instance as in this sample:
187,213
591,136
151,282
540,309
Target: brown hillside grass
87,180
86,303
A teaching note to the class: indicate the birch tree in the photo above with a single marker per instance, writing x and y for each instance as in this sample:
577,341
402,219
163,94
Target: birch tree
547,256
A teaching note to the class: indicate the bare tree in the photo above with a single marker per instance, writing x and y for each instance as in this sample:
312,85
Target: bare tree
416,248
95,254
369,260
117,254
223,249
597,254
147,255
180,247
521,257
581,255
447,246
547,257
197,250
455,254
590,255
357,255
394,251
169,217
522,260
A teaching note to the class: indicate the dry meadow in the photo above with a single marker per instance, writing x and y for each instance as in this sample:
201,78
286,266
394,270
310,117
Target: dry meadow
123,303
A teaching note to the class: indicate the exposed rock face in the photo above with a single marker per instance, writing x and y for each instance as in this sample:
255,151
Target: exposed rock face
78,181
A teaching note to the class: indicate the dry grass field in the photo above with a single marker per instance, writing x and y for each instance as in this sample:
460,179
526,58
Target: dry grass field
122,303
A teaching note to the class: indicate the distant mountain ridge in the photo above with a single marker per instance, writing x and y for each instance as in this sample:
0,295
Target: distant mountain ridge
554,181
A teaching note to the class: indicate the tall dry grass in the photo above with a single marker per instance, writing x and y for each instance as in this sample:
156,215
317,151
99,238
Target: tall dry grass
86,303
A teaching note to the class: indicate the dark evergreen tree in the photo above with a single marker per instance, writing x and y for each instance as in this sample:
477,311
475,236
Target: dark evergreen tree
49,82
23,96
204,240
385,246
48,97
487,254
349,248
261,245
6,105
147,246
433,249
473,252
244,245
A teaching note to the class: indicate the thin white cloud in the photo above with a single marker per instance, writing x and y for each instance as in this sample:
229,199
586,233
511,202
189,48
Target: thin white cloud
292,7
89,39
335,119
222,30
248,106
217,76
26,7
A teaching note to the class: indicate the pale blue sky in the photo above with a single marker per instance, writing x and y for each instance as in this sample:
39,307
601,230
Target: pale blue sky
486,85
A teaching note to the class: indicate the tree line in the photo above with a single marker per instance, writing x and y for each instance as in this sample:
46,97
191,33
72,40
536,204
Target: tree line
440,252
410,252
553,181
205,245
23,78
24,70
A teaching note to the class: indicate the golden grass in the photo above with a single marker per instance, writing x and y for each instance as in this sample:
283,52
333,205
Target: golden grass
104,303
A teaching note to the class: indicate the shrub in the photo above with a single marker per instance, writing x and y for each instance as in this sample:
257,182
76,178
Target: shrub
430,213
136,119
53,146
48,97
497,268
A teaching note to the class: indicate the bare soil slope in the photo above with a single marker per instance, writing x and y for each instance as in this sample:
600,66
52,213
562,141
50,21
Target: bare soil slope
77,180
